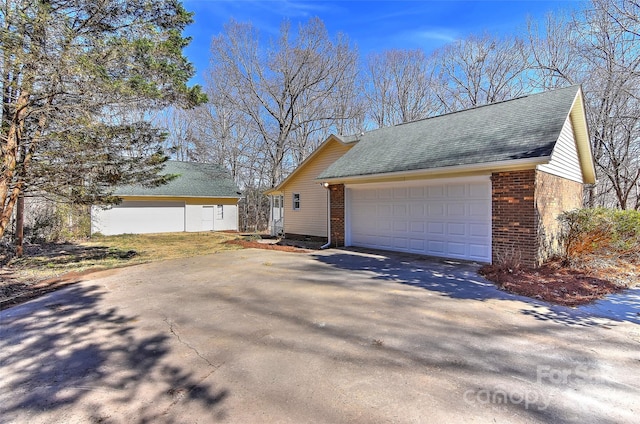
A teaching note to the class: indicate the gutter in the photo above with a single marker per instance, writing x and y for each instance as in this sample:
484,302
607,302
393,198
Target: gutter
508,165
325,246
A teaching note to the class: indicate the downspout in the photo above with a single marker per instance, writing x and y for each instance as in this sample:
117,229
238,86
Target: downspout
324,246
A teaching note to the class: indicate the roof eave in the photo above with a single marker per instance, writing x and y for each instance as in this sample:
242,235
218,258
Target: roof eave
499,166
278,189
173,196
272,191
578,118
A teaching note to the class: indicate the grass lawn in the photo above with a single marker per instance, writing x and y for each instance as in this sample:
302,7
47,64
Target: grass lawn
48,262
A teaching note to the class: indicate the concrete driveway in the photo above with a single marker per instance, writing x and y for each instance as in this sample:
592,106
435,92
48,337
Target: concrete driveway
334,336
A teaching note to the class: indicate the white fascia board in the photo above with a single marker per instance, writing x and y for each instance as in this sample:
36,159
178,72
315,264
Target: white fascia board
500,166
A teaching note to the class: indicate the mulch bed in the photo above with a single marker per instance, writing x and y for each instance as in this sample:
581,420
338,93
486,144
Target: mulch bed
552,283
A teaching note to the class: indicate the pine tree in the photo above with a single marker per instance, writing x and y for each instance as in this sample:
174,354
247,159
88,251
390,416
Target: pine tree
78,79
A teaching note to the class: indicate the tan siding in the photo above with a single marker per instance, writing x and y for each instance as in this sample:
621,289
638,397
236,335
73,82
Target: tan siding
311,218
564,159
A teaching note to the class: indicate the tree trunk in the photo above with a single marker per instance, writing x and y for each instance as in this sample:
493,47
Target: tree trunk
19,225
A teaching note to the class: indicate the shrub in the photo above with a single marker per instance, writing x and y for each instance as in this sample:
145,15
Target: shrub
56,222
606,232
252,237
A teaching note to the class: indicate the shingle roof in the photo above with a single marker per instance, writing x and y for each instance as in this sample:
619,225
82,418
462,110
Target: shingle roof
194,180
526,127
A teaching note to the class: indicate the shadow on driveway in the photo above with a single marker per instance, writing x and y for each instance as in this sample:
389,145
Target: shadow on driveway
56,361
460,280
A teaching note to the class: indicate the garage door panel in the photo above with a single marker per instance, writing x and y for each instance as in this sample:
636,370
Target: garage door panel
479,191
416,245
479,230
384,227
400,226
477,250
436,247
435,210
449,219
400,243
384,241
435,191
416,192
477,209
456,210
435,228
416,210
400,193
399,210
456,229
386,193
383,210
455,190
456,249
417,227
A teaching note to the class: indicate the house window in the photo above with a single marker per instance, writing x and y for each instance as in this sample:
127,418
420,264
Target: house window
296,201
219,212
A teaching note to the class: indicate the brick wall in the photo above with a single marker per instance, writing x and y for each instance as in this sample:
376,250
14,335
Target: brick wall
554,195
525,208
514,221
336,199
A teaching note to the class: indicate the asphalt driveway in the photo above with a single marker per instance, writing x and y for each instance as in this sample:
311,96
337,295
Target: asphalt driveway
333,336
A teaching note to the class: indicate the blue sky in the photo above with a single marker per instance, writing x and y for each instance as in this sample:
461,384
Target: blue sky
371,25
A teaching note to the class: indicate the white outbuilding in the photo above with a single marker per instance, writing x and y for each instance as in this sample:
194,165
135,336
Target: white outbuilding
202,197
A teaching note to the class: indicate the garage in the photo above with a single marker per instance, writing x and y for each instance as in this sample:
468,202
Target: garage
138,217
199,197
442,217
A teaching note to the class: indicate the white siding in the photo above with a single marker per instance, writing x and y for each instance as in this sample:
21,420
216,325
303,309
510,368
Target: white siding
194,218
139,217
564,158
229,219
201,217
161,216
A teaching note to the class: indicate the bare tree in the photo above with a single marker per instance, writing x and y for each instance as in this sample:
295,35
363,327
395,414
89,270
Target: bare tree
612,52
287,90
553,51
181,139
481,70
598,48
399,87
626,13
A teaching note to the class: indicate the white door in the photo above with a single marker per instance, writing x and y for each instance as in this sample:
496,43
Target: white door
138,217
277,223
447,218
207,218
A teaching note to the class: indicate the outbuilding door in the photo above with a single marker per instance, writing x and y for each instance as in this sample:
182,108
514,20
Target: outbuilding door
442,217
138,217
208,218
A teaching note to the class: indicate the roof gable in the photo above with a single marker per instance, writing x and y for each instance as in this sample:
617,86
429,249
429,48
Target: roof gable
311,158
193,180
523,128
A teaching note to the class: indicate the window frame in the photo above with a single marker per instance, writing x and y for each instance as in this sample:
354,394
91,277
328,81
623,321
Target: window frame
294,201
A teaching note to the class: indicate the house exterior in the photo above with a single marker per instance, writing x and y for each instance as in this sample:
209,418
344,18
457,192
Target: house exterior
303,198
203,197
484,184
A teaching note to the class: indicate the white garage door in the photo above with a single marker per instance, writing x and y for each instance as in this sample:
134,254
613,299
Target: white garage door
448,218
138,217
